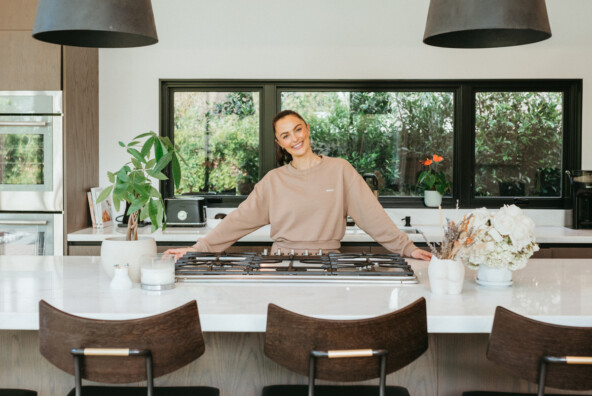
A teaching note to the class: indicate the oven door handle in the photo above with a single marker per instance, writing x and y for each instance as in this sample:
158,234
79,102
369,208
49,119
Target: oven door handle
23,222
24,123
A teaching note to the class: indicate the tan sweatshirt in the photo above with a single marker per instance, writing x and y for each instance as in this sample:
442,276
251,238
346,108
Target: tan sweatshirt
307,209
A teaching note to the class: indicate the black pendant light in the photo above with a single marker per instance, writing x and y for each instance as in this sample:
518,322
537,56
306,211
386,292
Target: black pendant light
486,23
96,23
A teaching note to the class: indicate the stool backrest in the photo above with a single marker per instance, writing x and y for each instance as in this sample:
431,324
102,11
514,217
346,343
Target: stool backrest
517,344
290,337
174,339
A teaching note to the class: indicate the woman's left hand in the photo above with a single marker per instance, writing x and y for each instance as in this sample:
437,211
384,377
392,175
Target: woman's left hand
421,254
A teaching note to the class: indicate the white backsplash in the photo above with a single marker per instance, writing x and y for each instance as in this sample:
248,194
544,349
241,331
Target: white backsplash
425,216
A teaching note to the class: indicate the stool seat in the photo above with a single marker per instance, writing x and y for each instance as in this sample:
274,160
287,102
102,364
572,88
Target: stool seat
17,392
123,351
488,393
141,391
330,390
542,353
344,350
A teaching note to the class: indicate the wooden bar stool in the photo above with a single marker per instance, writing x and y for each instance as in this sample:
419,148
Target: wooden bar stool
123,351
541,353
345,350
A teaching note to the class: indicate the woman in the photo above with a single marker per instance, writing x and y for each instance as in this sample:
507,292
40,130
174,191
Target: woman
306,201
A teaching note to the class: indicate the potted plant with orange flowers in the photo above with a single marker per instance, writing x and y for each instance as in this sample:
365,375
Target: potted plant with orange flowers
432,181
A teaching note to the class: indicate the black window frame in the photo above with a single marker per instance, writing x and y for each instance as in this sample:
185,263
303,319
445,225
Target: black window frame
464,128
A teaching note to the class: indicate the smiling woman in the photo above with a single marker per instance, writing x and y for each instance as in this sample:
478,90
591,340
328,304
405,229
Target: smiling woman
306,201
292,140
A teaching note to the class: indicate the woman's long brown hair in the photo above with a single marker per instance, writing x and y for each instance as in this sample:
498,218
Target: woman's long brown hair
282,157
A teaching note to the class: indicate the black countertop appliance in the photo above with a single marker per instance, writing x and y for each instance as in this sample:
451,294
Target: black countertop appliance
581,192
186,211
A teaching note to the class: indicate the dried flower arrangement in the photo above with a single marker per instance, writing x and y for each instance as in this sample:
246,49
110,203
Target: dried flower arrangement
456,237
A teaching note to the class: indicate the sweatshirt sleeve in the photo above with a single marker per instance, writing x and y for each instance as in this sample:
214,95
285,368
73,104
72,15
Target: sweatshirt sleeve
250,215
369,215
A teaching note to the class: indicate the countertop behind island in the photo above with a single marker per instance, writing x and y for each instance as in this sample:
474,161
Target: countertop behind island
543,234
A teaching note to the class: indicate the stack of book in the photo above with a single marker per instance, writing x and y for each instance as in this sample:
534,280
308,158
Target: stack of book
101,214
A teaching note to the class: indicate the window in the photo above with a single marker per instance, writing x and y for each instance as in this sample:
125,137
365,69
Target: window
385,134
503,141
218,137
518,144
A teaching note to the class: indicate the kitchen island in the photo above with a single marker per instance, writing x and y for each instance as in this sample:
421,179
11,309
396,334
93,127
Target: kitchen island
233,317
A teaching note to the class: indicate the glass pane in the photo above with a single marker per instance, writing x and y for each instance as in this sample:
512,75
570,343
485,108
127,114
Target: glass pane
218,134
518,144
387,134
25,243
22,159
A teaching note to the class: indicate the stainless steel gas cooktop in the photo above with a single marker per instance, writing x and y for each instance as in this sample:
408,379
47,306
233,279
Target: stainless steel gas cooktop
257,267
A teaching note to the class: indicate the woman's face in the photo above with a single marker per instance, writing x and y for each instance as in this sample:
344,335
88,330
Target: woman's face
293,135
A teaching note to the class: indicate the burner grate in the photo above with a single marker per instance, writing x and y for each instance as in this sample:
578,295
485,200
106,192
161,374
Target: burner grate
200,266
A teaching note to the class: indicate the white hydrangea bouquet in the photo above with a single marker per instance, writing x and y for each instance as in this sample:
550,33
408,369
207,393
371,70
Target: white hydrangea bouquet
504,239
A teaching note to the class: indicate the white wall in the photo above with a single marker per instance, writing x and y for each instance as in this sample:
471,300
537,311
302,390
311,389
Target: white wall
317,39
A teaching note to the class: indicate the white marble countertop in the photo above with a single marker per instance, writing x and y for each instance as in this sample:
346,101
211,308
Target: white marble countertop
557,291
543,234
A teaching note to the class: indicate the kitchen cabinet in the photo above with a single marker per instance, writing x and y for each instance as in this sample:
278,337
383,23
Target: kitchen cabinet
574,252
27,64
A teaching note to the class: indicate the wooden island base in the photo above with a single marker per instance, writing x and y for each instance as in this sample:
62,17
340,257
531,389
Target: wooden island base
235,363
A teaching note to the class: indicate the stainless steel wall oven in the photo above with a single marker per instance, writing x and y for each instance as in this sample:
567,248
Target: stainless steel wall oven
31,172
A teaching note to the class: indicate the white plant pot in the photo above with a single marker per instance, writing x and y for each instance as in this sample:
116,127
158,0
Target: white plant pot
133,253
494,277
432,198
446,276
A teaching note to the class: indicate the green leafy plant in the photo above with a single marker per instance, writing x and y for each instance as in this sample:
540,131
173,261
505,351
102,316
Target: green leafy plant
133,182
432,178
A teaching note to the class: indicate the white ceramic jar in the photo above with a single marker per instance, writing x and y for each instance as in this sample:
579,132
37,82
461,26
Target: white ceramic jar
446,276
121,279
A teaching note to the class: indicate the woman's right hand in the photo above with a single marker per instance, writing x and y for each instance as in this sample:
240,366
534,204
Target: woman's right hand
180,252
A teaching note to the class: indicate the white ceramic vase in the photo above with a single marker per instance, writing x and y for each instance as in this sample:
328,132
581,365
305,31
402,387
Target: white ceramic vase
432,198
494,277
121,279
446,276
133,253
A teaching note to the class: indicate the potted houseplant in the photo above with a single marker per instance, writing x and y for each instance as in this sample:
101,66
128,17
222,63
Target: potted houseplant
503,243
133,183
432,181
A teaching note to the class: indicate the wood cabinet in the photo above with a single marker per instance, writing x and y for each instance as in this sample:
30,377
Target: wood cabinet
81,134
562,252
26,64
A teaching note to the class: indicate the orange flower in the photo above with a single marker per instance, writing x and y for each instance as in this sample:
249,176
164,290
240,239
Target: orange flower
469,240
427,162
437,158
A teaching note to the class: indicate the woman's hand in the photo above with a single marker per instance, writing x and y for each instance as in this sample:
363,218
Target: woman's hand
180,252
421,254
